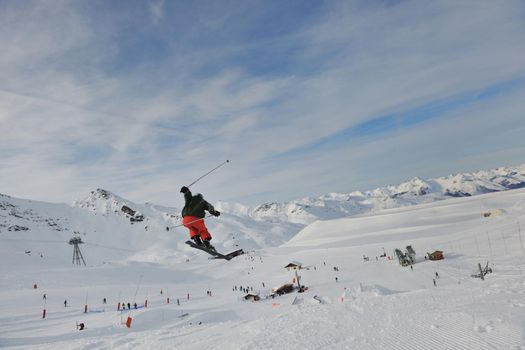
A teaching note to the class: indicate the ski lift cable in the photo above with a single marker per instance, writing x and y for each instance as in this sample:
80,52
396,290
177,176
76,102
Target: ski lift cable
30,240
109,247
61,242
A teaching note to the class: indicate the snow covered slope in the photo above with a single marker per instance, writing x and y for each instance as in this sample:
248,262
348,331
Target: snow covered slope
115,230
349,303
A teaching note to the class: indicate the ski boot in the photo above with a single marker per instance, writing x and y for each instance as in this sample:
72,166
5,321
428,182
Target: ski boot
208,245
197,240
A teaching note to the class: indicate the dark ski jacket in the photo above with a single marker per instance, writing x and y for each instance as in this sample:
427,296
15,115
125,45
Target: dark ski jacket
196,205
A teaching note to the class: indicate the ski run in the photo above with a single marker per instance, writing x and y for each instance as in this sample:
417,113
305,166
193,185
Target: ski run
355,293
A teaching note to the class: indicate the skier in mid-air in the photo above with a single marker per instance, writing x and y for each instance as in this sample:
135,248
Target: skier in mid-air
193,217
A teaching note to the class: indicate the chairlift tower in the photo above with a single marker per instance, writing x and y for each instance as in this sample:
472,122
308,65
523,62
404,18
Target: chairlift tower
77,254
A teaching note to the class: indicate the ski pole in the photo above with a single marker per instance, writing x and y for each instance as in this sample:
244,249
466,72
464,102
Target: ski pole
217,167
191,222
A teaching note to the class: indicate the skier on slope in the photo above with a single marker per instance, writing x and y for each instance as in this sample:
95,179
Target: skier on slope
193,217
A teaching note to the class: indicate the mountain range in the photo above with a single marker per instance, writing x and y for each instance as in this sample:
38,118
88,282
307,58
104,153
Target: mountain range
152,233
415,191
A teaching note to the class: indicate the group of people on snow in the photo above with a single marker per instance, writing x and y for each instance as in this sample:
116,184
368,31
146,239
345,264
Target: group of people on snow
135,306
243,289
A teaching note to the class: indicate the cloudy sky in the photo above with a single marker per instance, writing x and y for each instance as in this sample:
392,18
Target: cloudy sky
303,97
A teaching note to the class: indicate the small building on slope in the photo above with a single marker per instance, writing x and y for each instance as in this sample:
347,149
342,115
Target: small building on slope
437,255
294,265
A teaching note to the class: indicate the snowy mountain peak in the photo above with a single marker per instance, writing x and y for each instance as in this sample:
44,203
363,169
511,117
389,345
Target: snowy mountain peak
105,202
99,192
416,186
100,195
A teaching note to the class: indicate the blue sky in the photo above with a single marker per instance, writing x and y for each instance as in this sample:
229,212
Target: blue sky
303,97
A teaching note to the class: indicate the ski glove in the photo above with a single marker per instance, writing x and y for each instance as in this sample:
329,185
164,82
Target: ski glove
184,189
215,213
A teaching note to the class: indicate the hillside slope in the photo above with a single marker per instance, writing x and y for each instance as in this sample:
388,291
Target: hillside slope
349,303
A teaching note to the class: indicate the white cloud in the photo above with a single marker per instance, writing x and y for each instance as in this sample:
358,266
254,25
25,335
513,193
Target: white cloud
72,118
157,10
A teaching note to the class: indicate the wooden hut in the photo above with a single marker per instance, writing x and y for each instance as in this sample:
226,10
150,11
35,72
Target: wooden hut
437,255
294,265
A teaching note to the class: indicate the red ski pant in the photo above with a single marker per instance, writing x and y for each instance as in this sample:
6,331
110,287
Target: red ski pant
196,227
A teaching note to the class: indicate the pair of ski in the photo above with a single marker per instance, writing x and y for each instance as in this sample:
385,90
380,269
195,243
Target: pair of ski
215,254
